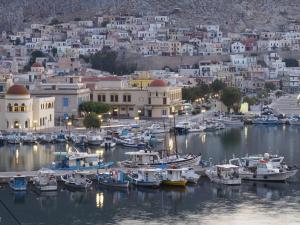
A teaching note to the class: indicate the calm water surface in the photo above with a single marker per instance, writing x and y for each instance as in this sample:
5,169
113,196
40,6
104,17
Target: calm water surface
206,203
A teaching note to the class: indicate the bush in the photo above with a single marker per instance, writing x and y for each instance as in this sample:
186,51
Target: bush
91,120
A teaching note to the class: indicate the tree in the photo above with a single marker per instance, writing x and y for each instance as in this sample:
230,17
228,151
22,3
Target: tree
35,54
106,60
249,100
91,120
270,86
231,97
192,93
54,51
94,107
54,21
217,86
290,62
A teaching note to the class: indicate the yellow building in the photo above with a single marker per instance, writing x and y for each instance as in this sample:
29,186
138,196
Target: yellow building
142,80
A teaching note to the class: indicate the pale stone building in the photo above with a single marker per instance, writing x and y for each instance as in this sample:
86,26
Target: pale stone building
19,110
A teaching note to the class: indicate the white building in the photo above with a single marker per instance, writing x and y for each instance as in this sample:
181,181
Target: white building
18,110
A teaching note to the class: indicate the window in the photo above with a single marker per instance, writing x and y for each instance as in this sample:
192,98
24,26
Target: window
112,98
26,124
22,107
9,107
103,98
16,107
50,118
156,94
129,98
65,102
116,98
149,101
164,101
163,112
124,98
130,109
99,98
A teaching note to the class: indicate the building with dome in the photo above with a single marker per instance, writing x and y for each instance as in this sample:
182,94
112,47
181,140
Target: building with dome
19,110
156,100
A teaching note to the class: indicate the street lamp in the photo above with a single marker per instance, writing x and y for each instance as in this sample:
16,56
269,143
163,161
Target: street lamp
109,114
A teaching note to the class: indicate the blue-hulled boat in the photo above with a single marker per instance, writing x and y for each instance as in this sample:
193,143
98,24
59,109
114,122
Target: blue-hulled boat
146,177
80,161
18,183
116,179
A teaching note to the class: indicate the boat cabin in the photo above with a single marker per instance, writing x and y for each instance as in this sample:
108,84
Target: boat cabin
227,170
148,175
173,174
143,157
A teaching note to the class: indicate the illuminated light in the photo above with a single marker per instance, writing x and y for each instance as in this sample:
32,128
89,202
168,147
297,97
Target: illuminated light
186,143
100,152
17,156
244,107
203,138
35,148
203,110
171,144
246,131
99,200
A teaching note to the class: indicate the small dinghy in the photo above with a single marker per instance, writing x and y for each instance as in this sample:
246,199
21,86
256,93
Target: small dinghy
18,183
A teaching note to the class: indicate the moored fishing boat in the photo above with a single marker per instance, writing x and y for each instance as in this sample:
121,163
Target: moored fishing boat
45,180
94,138
76,180
108,143
114,178
18,183
190,175
173,177
264,170
13,139
146,158
79,161
29,138
224,174
146,177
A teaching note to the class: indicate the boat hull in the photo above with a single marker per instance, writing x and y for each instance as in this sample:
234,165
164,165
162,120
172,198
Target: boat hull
115,184
47,188
179,183
282,176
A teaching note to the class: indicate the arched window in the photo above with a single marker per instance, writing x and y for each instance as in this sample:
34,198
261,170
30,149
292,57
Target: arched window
9,107
16,107
26,124
7,124
50,119
49,105
43,121
22,107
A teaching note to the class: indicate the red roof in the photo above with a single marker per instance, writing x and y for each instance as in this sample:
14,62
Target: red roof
17,89
36,65
158,83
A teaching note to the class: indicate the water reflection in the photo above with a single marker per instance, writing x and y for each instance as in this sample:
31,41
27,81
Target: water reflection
99,200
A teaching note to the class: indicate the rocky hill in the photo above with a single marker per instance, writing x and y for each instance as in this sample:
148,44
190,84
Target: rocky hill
233,15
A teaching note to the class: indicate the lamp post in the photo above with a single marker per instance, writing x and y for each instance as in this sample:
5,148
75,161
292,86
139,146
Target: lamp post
109,113
34,123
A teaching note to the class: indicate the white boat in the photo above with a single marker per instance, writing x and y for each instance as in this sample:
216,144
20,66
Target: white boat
108,143
146,177
264,170
197,129
294,120
80,139
183,127
190,175
29,138
230,122
224,174
157,129
13,139
267,120
76,180
145,158
47,138
94,138
45,180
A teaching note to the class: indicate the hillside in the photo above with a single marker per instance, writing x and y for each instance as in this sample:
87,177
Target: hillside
233,15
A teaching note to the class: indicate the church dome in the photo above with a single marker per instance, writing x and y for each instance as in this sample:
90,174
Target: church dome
17,89
158,83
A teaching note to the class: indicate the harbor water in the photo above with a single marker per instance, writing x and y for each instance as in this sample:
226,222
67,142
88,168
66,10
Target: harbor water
204,203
